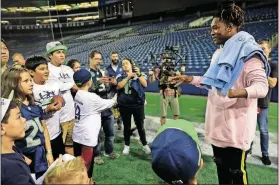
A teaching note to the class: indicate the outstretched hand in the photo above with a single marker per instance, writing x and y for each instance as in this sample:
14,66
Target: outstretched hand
176,79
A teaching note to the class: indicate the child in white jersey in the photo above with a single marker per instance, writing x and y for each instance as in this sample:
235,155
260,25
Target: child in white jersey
64,74
44,91
88,118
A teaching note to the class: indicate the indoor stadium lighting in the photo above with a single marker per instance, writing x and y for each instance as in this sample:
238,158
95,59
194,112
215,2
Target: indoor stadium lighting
36,9
52,8
4,22
4,10
46,21
20,10
63,7
95,4
12,9
84,5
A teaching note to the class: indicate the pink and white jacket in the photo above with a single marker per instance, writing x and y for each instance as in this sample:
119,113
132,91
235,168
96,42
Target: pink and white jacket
231,122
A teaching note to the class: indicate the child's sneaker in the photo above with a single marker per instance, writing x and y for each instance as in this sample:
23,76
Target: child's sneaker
126,150
112,155
146,149
99,160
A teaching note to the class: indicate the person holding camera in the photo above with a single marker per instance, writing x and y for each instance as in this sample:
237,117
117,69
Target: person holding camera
169,93
131,99
101,86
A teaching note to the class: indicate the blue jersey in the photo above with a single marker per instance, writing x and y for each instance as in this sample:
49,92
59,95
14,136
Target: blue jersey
33,143
14,169
114,74
132,95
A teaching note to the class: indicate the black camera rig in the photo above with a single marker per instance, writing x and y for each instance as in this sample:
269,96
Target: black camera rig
169,60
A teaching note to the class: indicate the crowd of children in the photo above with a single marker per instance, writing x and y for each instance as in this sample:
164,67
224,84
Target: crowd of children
58,113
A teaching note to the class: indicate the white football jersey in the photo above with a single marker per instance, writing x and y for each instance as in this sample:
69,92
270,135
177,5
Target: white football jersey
64,74
43,95
88,108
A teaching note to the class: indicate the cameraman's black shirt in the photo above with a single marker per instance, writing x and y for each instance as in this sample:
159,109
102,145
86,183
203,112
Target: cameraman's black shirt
100,89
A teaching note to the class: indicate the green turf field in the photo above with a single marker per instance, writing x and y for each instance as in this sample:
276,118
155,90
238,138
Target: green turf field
192,108
136,168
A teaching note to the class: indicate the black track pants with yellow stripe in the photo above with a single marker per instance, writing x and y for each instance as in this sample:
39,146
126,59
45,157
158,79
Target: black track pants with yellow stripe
231,165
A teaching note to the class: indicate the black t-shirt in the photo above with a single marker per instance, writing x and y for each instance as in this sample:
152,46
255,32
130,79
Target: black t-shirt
100,89
264,102
14,169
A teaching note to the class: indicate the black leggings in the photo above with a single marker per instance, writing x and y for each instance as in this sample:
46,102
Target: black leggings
138,114
57,146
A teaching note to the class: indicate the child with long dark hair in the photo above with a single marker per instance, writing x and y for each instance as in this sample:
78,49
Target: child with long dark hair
36,143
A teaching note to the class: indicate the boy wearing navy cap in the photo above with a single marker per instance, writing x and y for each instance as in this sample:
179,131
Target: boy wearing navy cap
88,107
176,155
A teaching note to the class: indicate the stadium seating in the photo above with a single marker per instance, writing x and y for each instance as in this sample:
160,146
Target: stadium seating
195,44
264,13
139,41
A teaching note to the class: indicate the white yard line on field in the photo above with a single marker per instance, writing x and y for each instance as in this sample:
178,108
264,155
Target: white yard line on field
153,123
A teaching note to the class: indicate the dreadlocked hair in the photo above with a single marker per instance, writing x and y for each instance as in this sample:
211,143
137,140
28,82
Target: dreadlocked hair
231,14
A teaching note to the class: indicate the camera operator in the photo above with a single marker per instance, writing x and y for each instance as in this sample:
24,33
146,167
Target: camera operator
131,99
101,86
114,69
169,93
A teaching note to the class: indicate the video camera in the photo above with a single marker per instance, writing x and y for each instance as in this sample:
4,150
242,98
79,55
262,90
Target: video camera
170,52
170,58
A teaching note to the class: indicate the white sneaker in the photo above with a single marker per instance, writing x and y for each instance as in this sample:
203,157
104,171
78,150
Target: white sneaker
126,150
146,149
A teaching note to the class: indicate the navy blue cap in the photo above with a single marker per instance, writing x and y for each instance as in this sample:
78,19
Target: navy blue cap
175,156
81,77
